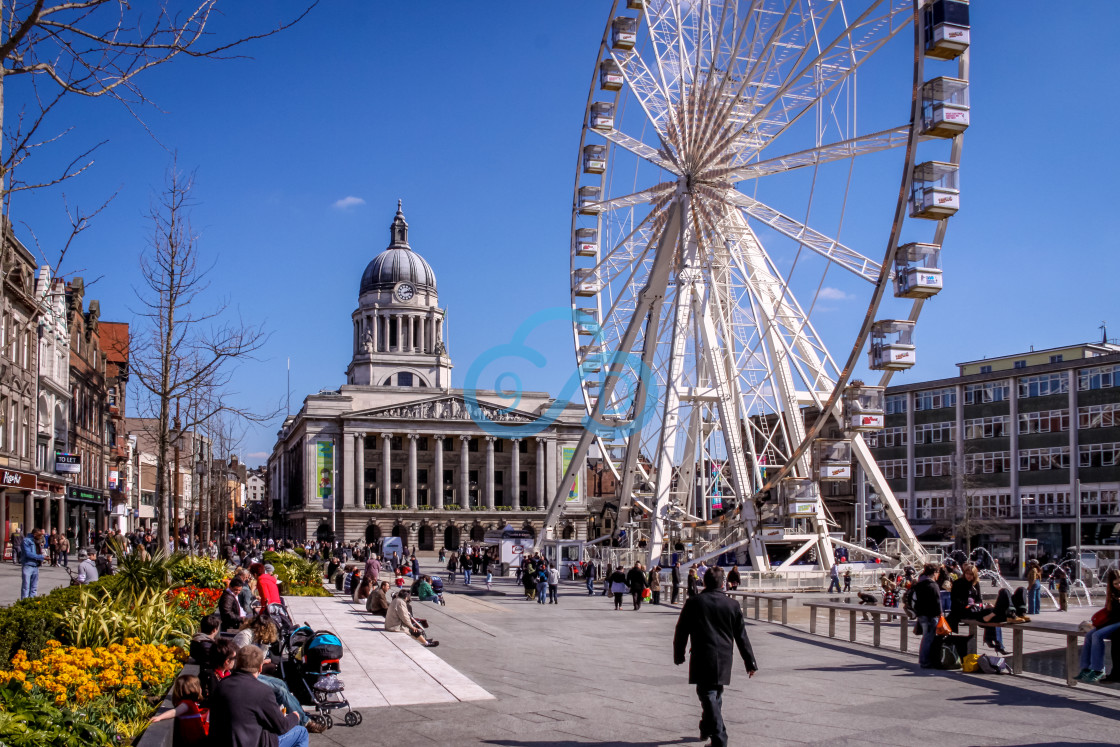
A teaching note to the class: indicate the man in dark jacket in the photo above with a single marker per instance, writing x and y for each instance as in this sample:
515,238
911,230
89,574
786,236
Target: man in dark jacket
925,597
243,711
589,574
636,580
228,605
676,579
714,622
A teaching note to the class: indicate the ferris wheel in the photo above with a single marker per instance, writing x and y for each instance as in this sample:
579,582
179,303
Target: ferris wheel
737,179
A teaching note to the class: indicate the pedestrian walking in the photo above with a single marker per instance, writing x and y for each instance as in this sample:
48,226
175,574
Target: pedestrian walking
542,583
489,580
554,585
452,566
655,585
733,578
467,564
847,579
675,579
925,598
1034,588
30,558
607,579
618,586
834,582
589,574
64,550
636,580
1063,589
713,623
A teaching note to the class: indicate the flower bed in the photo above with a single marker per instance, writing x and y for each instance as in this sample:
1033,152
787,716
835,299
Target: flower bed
90,695
195,602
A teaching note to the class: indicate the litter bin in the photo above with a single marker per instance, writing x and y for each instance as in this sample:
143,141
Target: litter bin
505,569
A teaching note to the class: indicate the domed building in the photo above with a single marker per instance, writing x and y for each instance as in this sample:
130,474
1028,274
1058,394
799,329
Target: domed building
397,451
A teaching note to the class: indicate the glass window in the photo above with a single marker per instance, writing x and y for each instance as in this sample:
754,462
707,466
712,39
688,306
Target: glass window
989,391
895,404
1046,421
1102,377
935,399
1043,385
1098,416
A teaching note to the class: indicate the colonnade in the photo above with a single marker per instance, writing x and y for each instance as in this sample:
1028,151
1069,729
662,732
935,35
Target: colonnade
419,331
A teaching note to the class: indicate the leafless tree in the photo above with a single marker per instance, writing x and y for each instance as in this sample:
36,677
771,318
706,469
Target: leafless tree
92,49
187,349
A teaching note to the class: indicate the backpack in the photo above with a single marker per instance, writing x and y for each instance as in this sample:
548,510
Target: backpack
994,665
948,658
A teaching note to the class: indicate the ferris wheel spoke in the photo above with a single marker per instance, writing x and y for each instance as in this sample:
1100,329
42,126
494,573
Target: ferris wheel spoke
643,83
858,146
642,150
829,248
817,78
636,198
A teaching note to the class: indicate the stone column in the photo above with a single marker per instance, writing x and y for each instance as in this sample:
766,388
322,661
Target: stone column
539,499
386,485
437,497
423,334
552,459
513,480
384,321
344,477
28,512
46,516
412,502
464,472
360,470
4,518
490,472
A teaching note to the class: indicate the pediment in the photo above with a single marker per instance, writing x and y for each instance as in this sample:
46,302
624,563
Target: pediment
447,408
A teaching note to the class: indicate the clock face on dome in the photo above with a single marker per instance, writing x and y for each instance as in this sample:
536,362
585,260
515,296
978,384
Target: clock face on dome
405,292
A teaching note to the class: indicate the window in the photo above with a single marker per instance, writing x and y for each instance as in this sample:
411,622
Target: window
404,378
985,369
1103,377
934,433
990,505
396,443
1099,503
987,462
472,445
1020,364
1043,385
894,469
1047,503
936,466
1099,455
1056,358
1046,421
992,427
894,436
1034,460
931,507
895,404
989,391
935,399
1098,416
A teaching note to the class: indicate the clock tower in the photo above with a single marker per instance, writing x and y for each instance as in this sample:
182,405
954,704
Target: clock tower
399,328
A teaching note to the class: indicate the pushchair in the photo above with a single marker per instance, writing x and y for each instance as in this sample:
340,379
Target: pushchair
311,669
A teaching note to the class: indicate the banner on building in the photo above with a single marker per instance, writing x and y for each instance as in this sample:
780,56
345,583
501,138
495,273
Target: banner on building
324,467
567,453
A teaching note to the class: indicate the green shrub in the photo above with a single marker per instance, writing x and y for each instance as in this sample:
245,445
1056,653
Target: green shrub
301,552
33,721
101,618
30,623
138,576
201,572
307,591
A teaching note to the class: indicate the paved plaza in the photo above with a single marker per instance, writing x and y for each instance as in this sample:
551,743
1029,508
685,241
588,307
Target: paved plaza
581,673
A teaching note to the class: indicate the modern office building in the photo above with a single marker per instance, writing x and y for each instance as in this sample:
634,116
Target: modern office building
998,452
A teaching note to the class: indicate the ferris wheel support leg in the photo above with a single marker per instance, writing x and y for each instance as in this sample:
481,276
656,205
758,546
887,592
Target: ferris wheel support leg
729,415
671,418
890,503
649,305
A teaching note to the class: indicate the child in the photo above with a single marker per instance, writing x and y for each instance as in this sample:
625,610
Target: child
489,580
191,722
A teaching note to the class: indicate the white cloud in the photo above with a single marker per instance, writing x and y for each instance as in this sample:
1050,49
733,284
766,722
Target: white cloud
258,455
832,294
348,202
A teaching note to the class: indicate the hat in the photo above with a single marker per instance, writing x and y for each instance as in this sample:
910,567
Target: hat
82,554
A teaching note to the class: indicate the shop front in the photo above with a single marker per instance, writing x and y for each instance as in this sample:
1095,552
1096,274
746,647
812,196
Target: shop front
16,488
85,508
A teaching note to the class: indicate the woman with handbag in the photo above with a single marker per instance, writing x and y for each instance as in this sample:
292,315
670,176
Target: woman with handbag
618,587
1105,622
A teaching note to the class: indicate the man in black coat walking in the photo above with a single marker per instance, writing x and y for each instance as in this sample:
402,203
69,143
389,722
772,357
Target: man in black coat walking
715,623
676,579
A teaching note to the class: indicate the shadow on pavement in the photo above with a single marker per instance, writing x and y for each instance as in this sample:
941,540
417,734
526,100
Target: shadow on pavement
554,743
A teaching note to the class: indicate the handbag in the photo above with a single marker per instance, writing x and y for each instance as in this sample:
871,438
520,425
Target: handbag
1099,618
943,627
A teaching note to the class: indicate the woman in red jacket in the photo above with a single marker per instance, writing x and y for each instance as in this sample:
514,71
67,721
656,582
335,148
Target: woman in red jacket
266,584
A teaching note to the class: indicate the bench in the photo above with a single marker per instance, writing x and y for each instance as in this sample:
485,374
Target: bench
770,599
875,611
1069,630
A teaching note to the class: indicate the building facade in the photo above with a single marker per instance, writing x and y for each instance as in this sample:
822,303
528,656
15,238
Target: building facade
397,451
115,344
1023,446
19,310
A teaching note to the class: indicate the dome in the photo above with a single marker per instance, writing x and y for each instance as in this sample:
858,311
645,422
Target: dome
398,263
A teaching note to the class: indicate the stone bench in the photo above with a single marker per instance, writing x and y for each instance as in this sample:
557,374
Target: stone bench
770,600
1069,630
875,611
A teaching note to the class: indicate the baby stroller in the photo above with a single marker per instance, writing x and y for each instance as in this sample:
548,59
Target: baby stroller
313,662
437,588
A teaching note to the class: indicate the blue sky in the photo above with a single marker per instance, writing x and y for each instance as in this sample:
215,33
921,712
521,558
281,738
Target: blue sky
471,114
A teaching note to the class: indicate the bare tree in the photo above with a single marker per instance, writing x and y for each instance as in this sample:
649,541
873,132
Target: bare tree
188,349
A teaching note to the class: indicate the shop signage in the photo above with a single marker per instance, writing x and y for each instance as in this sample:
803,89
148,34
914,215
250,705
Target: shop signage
113,478
84,495
10,478
70,464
